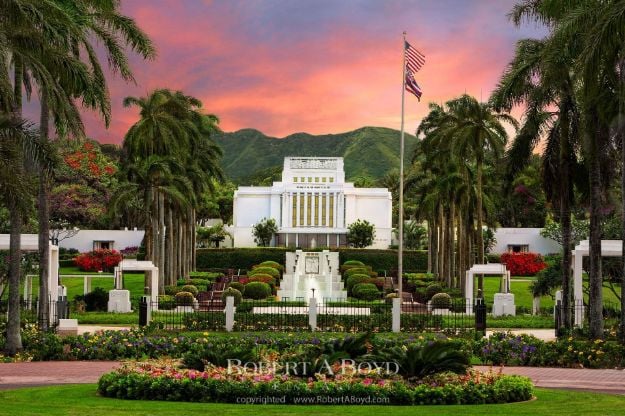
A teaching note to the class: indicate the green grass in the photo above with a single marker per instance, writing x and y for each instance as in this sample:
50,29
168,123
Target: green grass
82,400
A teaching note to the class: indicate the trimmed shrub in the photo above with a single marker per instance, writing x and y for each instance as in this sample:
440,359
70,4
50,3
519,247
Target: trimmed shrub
237,285
184,299
353,263
432,290
356,270
257,290
523,264
96,300
246,258
270,263
346,269
275,273
166,302
357,279
441,301
210,276
172,290
265,278
191,289
67,263
366,291
234,293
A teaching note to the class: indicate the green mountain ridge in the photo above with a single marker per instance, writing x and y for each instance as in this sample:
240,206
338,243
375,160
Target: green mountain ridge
368,151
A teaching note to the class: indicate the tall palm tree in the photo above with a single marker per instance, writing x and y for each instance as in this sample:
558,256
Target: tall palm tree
19,144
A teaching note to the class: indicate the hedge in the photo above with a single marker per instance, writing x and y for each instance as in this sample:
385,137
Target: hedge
245,258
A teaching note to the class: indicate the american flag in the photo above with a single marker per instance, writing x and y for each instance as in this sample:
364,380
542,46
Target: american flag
414,62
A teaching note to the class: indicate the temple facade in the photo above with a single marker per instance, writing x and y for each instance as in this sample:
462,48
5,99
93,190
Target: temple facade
312,206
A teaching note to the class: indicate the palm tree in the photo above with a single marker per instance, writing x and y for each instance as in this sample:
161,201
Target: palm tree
172,125
19,144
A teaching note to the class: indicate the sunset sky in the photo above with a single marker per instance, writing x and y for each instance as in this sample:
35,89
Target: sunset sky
323,66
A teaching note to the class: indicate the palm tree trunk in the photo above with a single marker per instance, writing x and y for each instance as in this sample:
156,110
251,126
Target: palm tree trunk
480,221
13,337
434,247
621,133
565,217
459,256
43,213
193,239
430,240
595,278
452,245
442,249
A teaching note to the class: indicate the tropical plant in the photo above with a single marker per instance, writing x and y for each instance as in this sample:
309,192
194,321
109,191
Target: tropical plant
263,231
360,234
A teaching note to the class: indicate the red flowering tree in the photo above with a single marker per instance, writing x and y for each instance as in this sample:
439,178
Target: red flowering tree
98,260
523,264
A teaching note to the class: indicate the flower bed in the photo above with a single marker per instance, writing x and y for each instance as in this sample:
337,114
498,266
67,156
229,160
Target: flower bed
523,264
217,384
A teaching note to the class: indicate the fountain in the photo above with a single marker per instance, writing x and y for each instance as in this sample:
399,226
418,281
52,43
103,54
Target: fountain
312,272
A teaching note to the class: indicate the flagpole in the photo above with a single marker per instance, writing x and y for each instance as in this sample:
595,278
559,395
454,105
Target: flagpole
400,249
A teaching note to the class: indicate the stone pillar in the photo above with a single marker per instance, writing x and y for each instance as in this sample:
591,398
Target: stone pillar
229,313
396,325
312,313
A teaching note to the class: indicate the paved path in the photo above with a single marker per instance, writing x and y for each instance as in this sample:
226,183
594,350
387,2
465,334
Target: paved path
14,375
604,381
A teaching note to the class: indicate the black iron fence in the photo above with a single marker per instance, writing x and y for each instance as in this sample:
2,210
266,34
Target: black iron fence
29,312
328,316
579,313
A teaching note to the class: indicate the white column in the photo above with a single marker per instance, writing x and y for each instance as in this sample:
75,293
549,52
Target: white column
327,194
340,210
297,209
396,324
336,210
468,291
285,210
312,313
578,294
229,311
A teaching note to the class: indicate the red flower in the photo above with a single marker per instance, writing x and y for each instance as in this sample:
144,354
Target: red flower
523,264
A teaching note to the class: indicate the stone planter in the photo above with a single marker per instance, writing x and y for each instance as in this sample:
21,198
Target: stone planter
438,311
184,309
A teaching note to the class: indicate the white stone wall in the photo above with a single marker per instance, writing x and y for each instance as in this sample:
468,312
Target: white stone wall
83,241
524,236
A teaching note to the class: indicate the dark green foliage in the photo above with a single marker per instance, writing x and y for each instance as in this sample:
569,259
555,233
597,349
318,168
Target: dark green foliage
360,234
256,290
97,300
184,298
191,289
549,278
441,301
210,276
248,151
263,231
166,302
366,291
273,264
354,271
246,258
356,279
237,285
217,354
353,263
67,263
231,291
275,273
172,290
432,290
418,361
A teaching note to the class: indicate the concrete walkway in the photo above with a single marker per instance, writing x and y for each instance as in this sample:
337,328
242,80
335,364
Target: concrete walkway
15,375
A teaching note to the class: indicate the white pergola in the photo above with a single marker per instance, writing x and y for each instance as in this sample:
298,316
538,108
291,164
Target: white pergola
609,248
493,269
30,242
138,266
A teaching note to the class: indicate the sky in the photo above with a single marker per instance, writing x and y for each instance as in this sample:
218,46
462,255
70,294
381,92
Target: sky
323,66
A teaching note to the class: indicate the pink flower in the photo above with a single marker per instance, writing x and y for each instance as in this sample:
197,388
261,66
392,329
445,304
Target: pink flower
367,381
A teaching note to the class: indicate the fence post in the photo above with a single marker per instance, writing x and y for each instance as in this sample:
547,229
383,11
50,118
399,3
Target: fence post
229,313
312,314
480,315
61,306
145,311
558,318
396,324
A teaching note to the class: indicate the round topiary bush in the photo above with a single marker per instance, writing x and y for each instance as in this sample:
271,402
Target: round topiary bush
184,299
275,273
257,290
432,290
191,289
237,285
366,291
270,263
441,301
353,263
234,293
172,290
166,302
265,278
355,270
356,279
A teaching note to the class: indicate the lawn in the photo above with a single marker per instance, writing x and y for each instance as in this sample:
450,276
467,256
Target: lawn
82,399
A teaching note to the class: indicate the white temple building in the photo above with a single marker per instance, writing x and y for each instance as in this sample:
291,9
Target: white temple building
312,206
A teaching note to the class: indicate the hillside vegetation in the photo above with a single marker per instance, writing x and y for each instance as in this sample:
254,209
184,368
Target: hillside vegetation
368,151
